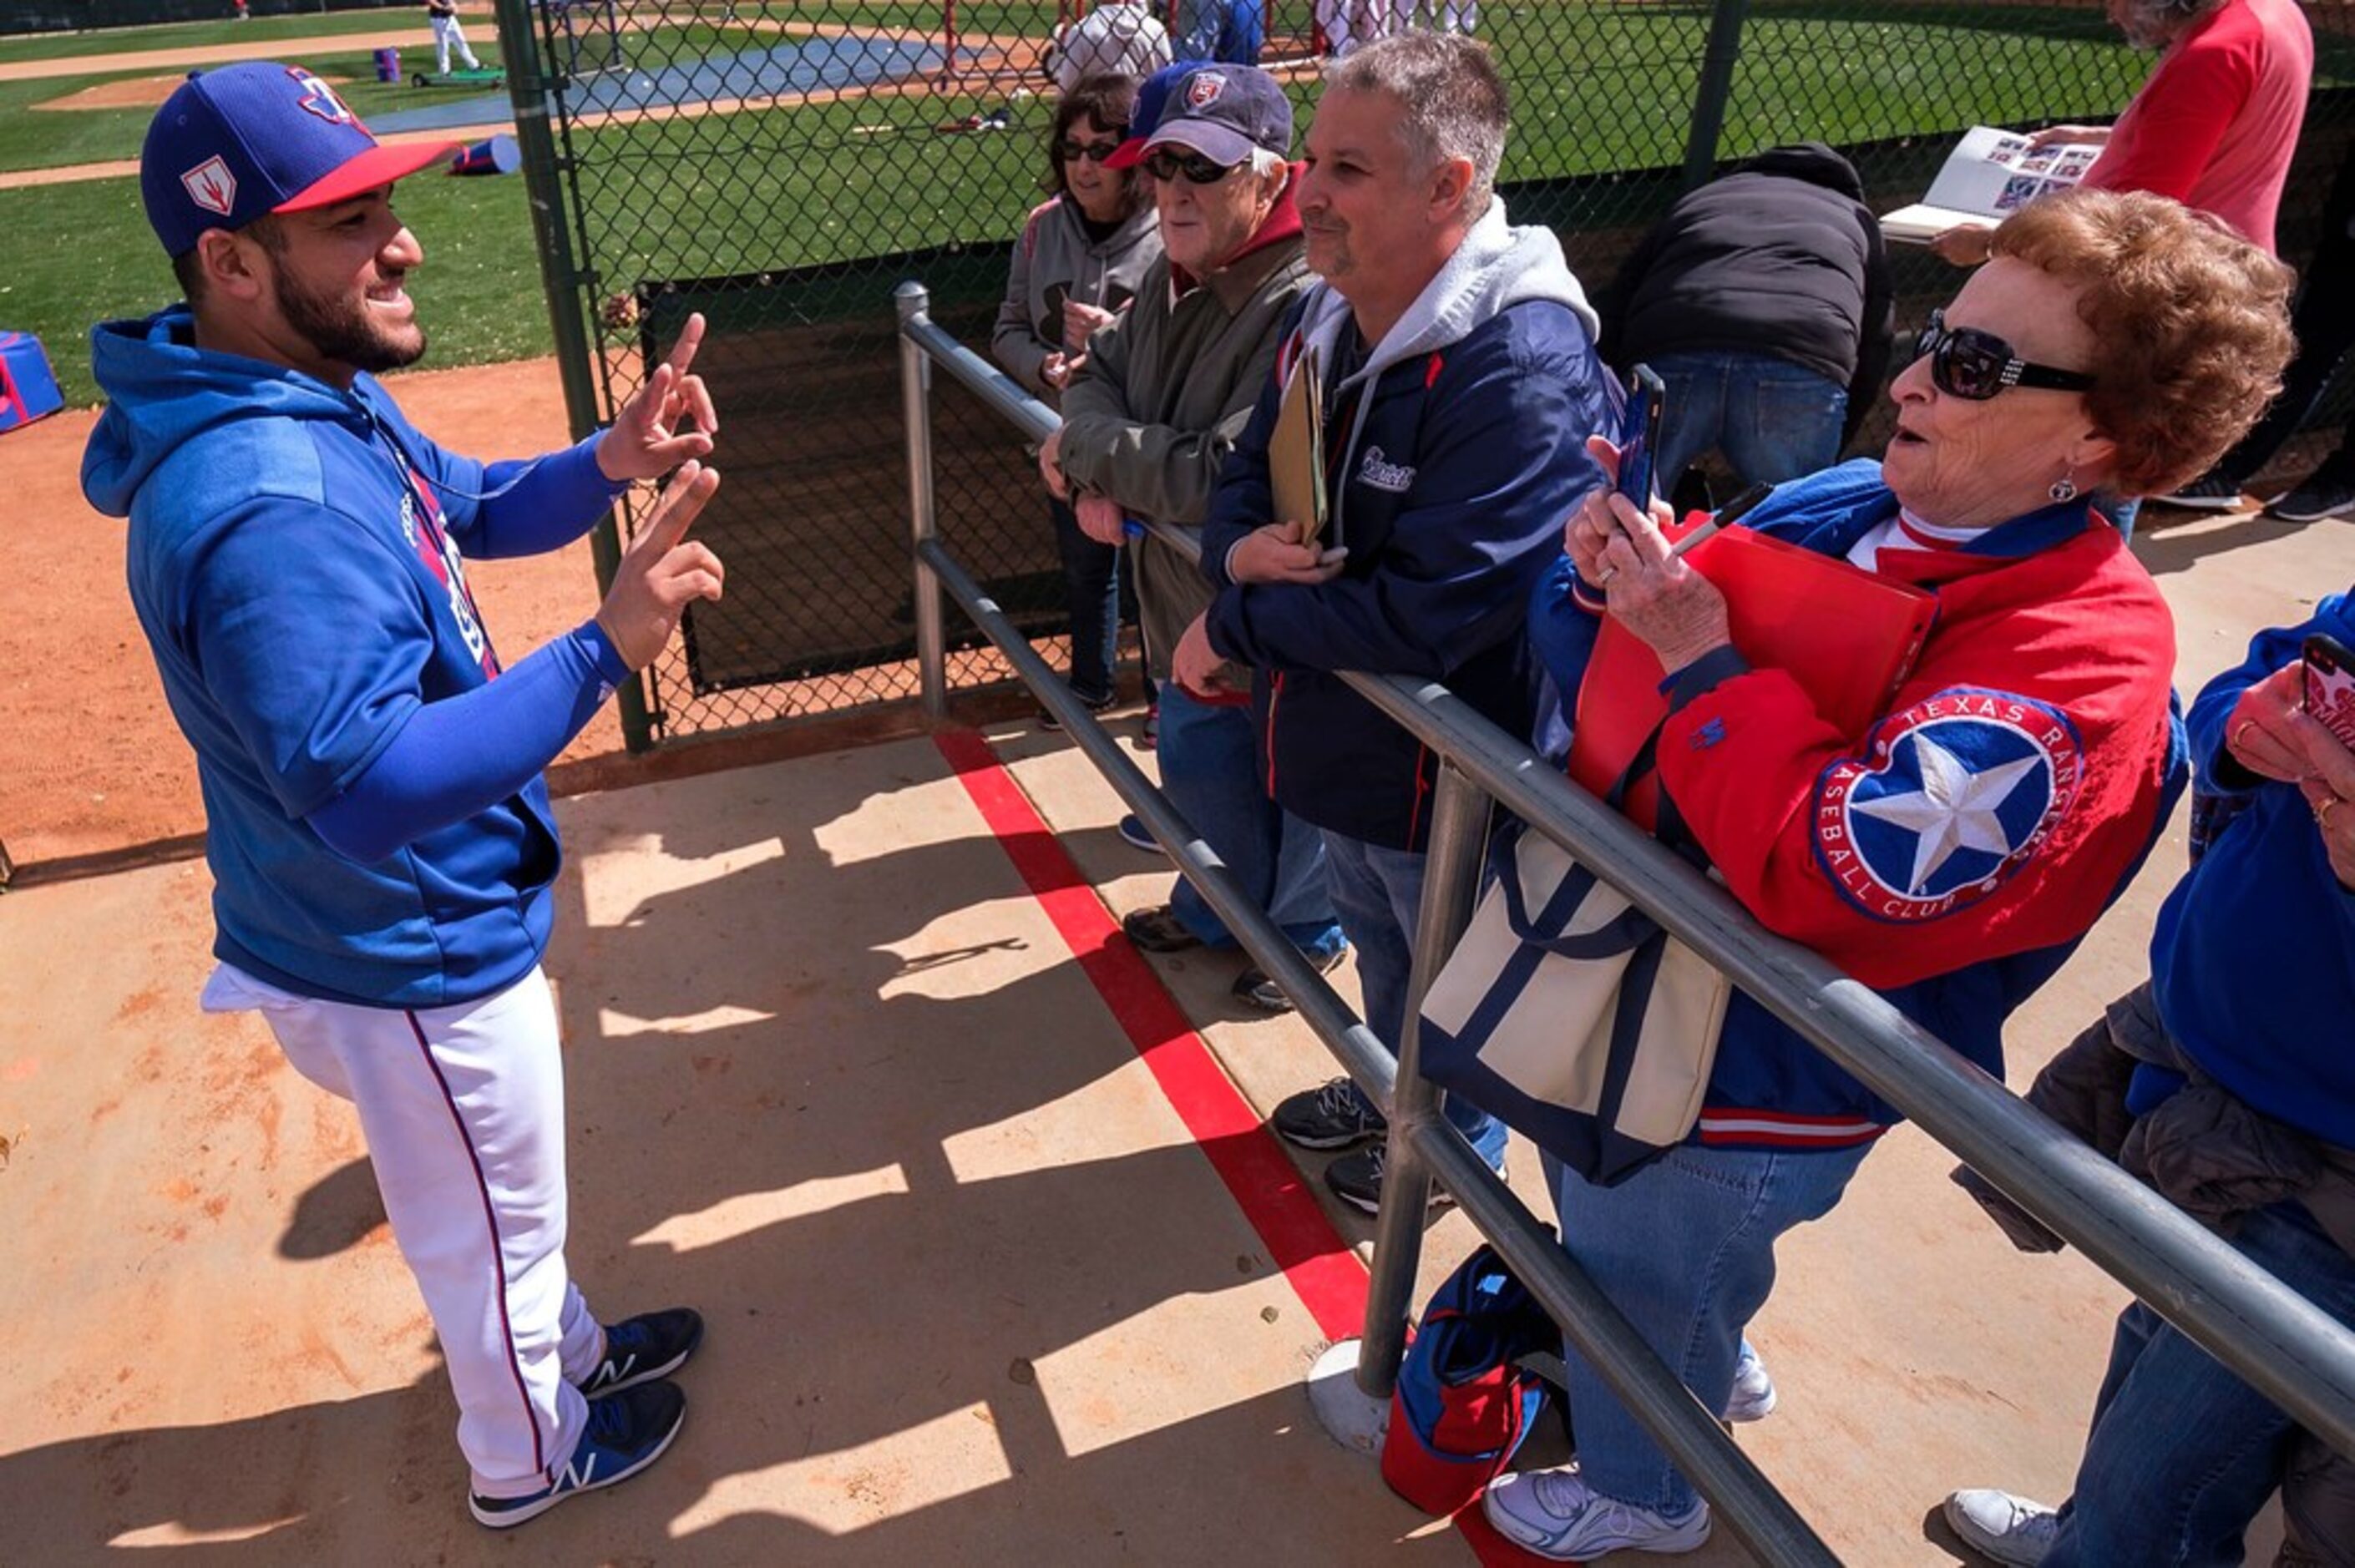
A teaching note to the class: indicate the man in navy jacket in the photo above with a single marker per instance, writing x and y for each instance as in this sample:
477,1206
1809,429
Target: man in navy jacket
1461,383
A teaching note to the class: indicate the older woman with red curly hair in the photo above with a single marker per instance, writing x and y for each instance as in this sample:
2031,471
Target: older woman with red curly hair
1951,851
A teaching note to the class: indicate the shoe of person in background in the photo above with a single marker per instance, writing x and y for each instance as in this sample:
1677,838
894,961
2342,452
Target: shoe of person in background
1556,1515
1158,930
2209,493
1048,721
2002,1528
1357,1180
1148,735
1132,834
1330,1116
1256,989
2328,492
1754,1396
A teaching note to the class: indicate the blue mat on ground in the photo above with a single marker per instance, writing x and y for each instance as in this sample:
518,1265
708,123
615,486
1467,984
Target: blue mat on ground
812,65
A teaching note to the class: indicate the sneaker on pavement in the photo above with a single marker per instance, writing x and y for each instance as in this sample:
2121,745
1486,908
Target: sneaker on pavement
2322,494
1357,1180
1330,1116
627,1432
1753,1388
1257,990
1048,721
1132,834
2002,1528
1158,930
644,1347
2210,493
1556,1515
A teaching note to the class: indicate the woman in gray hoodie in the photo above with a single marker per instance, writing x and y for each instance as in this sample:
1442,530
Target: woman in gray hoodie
1076,267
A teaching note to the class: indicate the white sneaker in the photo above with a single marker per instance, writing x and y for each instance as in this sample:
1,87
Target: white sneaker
1554,1514
1753,1398
2002,1528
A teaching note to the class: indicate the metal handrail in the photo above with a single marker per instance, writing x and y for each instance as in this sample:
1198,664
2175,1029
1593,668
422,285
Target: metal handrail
2283,1346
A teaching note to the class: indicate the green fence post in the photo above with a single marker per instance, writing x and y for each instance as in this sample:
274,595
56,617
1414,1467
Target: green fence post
1719,56
529,94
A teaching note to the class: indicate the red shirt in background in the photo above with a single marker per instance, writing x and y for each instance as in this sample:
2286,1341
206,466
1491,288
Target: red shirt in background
2216,123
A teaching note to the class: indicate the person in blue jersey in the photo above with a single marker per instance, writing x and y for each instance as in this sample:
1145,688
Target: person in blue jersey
2254,968
379,831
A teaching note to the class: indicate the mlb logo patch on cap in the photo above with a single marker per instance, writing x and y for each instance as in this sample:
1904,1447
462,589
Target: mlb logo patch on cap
1202,88
232,145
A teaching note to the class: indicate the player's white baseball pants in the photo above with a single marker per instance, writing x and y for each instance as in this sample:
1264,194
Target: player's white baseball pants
464,1111
445,34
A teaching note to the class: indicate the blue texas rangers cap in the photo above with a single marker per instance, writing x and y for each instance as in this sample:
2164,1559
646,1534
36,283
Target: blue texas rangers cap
1222,111
233,144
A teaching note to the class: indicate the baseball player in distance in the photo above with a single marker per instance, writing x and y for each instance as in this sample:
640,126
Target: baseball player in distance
379,833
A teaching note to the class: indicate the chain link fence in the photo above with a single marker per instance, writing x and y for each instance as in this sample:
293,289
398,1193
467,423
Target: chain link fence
780,166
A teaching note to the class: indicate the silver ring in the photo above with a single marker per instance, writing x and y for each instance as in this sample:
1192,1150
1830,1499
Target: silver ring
1606,575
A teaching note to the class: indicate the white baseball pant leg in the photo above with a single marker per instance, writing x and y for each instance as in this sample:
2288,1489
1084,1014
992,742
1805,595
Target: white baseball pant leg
464,1112
446,32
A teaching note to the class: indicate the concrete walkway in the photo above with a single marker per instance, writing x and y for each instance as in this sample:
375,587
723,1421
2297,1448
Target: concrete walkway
976,1290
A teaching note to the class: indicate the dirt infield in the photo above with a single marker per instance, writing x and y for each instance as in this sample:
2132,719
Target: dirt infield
92,762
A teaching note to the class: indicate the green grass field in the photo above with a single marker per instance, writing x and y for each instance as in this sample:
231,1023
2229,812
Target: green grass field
1597,88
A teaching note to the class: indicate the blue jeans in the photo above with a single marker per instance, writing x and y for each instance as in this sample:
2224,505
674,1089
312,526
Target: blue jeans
1685,1247
2121,512
1092,596
1773,420
1209,773
2183,1454
1377,891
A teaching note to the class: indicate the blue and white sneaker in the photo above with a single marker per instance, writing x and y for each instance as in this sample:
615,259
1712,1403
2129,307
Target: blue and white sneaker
627,1432
1754,1397
1556,1515
641,1349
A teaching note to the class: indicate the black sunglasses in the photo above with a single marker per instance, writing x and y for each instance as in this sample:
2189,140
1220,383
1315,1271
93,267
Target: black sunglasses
1969,364
1166,164
1073,152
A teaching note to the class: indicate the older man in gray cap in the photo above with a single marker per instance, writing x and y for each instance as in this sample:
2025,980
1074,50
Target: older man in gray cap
1146,430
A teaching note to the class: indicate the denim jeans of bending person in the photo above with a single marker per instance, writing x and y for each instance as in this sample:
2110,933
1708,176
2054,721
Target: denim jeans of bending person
1684,1248
1092,597
1210,774
2183,1453
1377,892
1773,420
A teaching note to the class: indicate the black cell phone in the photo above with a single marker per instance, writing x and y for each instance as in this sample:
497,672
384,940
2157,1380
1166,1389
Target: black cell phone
2328,691
1640,436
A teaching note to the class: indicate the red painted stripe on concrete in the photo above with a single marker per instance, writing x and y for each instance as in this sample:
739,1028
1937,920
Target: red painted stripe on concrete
1319,1266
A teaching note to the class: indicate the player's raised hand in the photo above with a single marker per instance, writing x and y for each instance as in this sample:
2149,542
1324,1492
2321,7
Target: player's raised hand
652,434
663,572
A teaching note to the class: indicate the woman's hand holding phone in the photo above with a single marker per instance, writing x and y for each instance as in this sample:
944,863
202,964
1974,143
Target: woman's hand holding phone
1603,514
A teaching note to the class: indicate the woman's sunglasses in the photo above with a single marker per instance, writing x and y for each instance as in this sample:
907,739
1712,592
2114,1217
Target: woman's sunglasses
1073,152
1166,164
1969,364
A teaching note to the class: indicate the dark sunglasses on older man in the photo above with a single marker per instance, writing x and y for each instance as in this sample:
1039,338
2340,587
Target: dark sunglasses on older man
1967,363
1166,164
1073,152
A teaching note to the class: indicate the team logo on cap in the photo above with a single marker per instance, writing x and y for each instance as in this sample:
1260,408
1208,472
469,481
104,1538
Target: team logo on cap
1952,797
1202,88
319,99
211,186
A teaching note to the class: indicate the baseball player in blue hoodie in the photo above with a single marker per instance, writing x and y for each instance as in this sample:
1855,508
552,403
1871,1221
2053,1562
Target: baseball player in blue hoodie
378,827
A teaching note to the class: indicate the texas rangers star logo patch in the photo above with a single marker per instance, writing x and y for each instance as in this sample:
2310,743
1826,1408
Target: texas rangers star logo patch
1953,796
319,99
211,186
1202,88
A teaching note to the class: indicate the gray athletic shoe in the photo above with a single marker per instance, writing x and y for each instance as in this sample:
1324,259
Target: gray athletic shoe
2002,1528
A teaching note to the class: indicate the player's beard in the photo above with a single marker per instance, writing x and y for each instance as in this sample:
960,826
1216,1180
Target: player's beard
338,328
